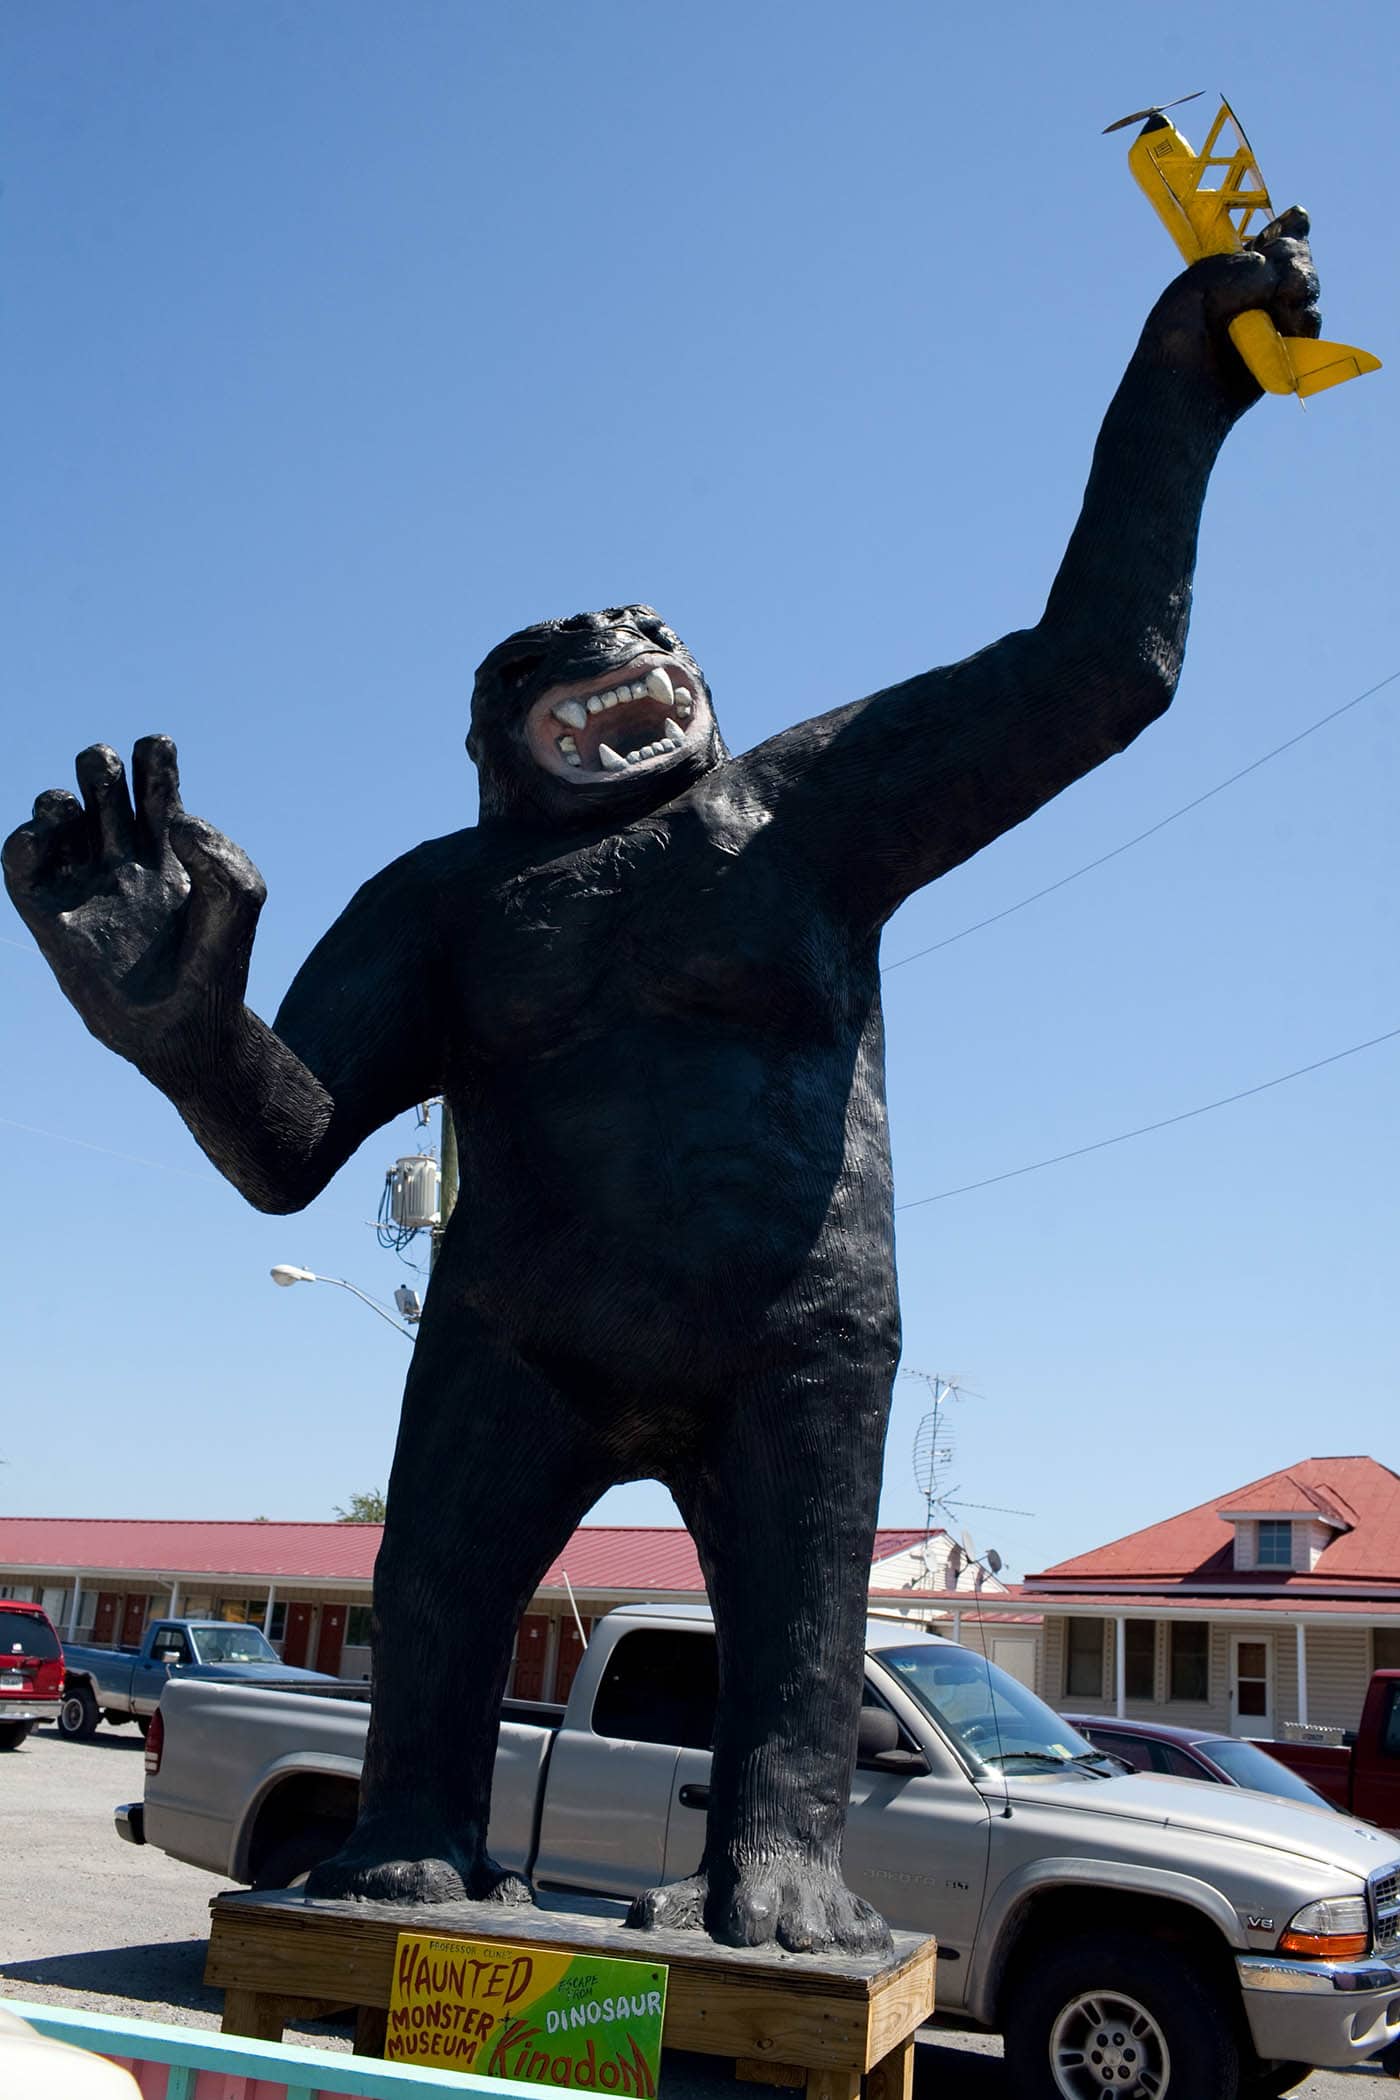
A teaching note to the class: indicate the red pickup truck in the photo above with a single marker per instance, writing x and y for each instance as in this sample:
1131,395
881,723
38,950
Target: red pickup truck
1363,1774
31,1671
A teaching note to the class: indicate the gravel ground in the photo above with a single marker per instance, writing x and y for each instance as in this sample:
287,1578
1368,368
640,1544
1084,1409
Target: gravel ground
88,1921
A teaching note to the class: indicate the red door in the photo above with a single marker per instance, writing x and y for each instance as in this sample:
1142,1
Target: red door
298,1635
332,1639
531,1647
133,1619
570,1656
105,1622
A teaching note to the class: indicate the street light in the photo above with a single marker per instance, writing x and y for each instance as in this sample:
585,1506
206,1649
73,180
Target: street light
286,1274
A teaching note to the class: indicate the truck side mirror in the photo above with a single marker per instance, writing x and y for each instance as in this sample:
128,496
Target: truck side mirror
878,1732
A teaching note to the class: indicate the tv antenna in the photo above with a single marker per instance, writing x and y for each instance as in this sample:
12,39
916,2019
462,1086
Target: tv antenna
934,1448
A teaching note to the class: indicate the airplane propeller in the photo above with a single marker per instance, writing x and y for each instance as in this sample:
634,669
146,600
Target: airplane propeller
1140,116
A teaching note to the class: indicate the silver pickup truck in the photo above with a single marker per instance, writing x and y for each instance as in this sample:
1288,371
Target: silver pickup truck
1128,1933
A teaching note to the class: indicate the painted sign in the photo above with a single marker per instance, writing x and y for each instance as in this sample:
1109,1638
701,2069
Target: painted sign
528,2013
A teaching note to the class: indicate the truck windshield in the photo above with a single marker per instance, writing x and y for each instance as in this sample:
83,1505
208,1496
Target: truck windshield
232,1644
988,1714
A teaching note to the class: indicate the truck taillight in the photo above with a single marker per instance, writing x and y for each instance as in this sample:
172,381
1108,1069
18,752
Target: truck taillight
155,1741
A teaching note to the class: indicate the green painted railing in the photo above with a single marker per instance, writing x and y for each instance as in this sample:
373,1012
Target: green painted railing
302,2074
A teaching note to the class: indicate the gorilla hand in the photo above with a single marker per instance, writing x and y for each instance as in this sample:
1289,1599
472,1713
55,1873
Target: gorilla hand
145,915
1189,326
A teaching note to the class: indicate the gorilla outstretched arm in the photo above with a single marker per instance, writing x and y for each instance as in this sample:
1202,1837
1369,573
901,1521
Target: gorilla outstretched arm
896,789
146,916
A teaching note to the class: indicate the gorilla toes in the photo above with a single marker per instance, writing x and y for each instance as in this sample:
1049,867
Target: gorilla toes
790,1903
382,1865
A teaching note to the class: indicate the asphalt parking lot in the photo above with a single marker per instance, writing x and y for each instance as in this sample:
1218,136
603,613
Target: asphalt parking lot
88,1921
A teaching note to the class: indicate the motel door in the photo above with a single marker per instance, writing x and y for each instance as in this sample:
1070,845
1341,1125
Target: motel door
531,1648
1251,1686
332,1639
104,1625
298,1635
570,1656
133,1619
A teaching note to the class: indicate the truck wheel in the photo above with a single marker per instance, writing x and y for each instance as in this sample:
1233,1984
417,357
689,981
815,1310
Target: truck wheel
143,1725
1103,2015
1272,2083
292,1858
79,1715
13,1733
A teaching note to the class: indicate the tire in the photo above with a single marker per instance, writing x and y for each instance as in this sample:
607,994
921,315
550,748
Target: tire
79,1714
1098,2007
292,1858
143,1725
13,1733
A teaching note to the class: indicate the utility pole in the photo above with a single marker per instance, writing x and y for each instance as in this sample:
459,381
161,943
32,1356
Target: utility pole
447,1196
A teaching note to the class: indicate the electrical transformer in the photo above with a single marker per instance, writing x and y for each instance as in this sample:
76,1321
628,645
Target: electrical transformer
414,1193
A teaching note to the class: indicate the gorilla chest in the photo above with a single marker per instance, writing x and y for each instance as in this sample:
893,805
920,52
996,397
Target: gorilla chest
639,929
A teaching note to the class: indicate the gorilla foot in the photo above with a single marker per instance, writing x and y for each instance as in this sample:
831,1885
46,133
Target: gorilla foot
388,1862
797,1903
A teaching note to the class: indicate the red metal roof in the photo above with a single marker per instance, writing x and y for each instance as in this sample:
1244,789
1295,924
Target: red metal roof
1198,1545
599,1557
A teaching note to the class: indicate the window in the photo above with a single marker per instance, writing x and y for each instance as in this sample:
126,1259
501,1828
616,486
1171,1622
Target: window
277,1626
1084,1658
1190,1662
170,1646
1385,1648
1390,1730
25,1633
660,1688
1275,1549
357,1626
1140,1659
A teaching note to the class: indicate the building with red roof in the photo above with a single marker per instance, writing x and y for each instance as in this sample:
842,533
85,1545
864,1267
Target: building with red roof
309,1585
1260,1612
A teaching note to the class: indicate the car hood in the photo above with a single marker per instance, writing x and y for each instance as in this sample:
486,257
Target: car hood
1218,1811
259,1673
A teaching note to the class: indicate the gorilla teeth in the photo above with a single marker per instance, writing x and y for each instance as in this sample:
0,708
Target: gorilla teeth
675,735
611,761
660,687
573,712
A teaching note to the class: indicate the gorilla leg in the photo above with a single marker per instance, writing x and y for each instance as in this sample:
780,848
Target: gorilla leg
783,1511
491,1474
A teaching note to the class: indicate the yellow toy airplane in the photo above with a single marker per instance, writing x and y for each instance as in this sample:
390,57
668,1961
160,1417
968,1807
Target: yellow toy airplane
1208,217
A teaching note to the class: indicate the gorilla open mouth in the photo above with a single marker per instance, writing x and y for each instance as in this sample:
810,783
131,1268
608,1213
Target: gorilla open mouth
611,725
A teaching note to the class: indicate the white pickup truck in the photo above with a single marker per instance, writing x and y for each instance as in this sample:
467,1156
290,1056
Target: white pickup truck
1160,1938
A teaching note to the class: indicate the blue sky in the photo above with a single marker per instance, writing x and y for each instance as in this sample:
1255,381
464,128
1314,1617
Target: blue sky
342,339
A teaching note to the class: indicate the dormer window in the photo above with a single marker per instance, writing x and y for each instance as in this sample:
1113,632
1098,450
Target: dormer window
1275,1548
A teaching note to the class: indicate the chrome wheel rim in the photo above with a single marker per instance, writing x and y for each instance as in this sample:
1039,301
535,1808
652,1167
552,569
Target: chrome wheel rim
1105,2042
72,1714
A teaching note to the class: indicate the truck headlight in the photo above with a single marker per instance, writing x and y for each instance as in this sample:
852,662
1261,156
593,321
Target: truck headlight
1333,1930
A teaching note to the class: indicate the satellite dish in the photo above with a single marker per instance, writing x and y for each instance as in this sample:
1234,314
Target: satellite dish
953,1566
994,1560
968,1548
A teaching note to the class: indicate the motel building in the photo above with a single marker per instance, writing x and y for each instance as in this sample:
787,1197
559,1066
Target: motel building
1260,1613
308,1585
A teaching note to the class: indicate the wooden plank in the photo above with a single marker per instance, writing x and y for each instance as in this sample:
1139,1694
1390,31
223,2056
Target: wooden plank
752,2070
755,2004
256,2014
905,2003
371,2030
831,2084
893,2077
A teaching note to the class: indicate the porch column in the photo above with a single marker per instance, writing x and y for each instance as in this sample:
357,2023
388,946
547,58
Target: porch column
73,1608
267,1615
957,1625
1301,1635
1120,1667
173,1610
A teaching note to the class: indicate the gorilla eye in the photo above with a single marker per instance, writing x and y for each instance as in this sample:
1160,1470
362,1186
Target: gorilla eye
520,671
657,631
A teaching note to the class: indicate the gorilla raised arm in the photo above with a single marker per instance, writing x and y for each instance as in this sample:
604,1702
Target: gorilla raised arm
647,982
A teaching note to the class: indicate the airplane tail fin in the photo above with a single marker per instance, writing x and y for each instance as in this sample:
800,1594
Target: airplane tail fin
1295,364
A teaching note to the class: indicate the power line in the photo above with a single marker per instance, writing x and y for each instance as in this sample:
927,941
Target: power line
1185,810
1145,1129
133,1159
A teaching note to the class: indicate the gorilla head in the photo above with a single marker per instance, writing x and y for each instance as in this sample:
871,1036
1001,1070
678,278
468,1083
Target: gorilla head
590,721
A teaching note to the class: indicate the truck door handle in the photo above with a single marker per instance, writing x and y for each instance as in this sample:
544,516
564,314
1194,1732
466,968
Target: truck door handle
694,1797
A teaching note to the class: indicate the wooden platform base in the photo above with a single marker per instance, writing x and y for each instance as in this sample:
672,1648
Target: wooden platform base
787,2019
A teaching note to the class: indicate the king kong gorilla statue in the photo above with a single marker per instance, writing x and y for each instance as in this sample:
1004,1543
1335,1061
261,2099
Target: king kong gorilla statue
647,984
